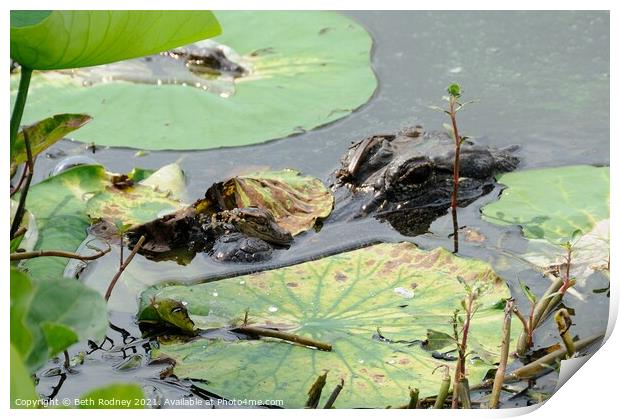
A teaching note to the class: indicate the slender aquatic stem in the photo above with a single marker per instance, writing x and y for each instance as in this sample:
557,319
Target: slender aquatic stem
20,103
273,333
563,321
444,389
457,152
414,394
314,394
57,253
21,206
498,382
459,373
332,397
118,274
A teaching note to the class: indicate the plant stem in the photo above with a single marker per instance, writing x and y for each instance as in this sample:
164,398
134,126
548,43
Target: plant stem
21,206
443,390
314,394
273,333
457,153
455,231
57,253
22,178
566,284
563,321
498,382
20,103
463,392
539,313
127,261
536,367
414,394
67,361
459,373
332,397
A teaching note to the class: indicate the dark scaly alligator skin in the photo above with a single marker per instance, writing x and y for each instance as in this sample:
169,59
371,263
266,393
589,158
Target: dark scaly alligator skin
407,178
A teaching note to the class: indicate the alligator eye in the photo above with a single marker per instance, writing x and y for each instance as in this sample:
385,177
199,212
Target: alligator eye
418,174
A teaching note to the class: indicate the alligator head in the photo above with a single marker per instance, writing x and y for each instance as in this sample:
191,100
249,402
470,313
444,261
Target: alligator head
407,177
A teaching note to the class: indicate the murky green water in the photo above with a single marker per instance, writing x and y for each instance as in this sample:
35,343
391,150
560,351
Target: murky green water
542,79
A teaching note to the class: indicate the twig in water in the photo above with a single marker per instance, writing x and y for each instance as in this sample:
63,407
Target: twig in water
127,261
58,253
498,382
273,333
314,394
21,206
332,397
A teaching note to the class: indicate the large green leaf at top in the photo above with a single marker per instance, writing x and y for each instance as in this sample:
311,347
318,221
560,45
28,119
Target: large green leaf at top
47,316
343,300
79,38
308,68
551,204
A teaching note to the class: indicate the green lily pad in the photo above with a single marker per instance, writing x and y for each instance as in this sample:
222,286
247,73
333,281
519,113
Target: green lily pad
27,240
551,204
48,316
44,40
133,205
295,201
59,207
62,205
306,69
44,133
342,300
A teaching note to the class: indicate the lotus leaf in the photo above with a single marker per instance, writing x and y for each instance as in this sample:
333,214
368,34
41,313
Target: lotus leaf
395,290
552,203
306,69
62,204
44,133
295,201
44,40
130,206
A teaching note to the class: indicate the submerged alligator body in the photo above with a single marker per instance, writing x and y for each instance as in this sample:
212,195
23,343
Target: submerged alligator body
407,178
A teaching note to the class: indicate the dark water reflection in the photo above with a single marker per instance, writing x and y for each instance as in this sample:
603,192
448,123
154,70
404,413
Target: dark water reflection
542,79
